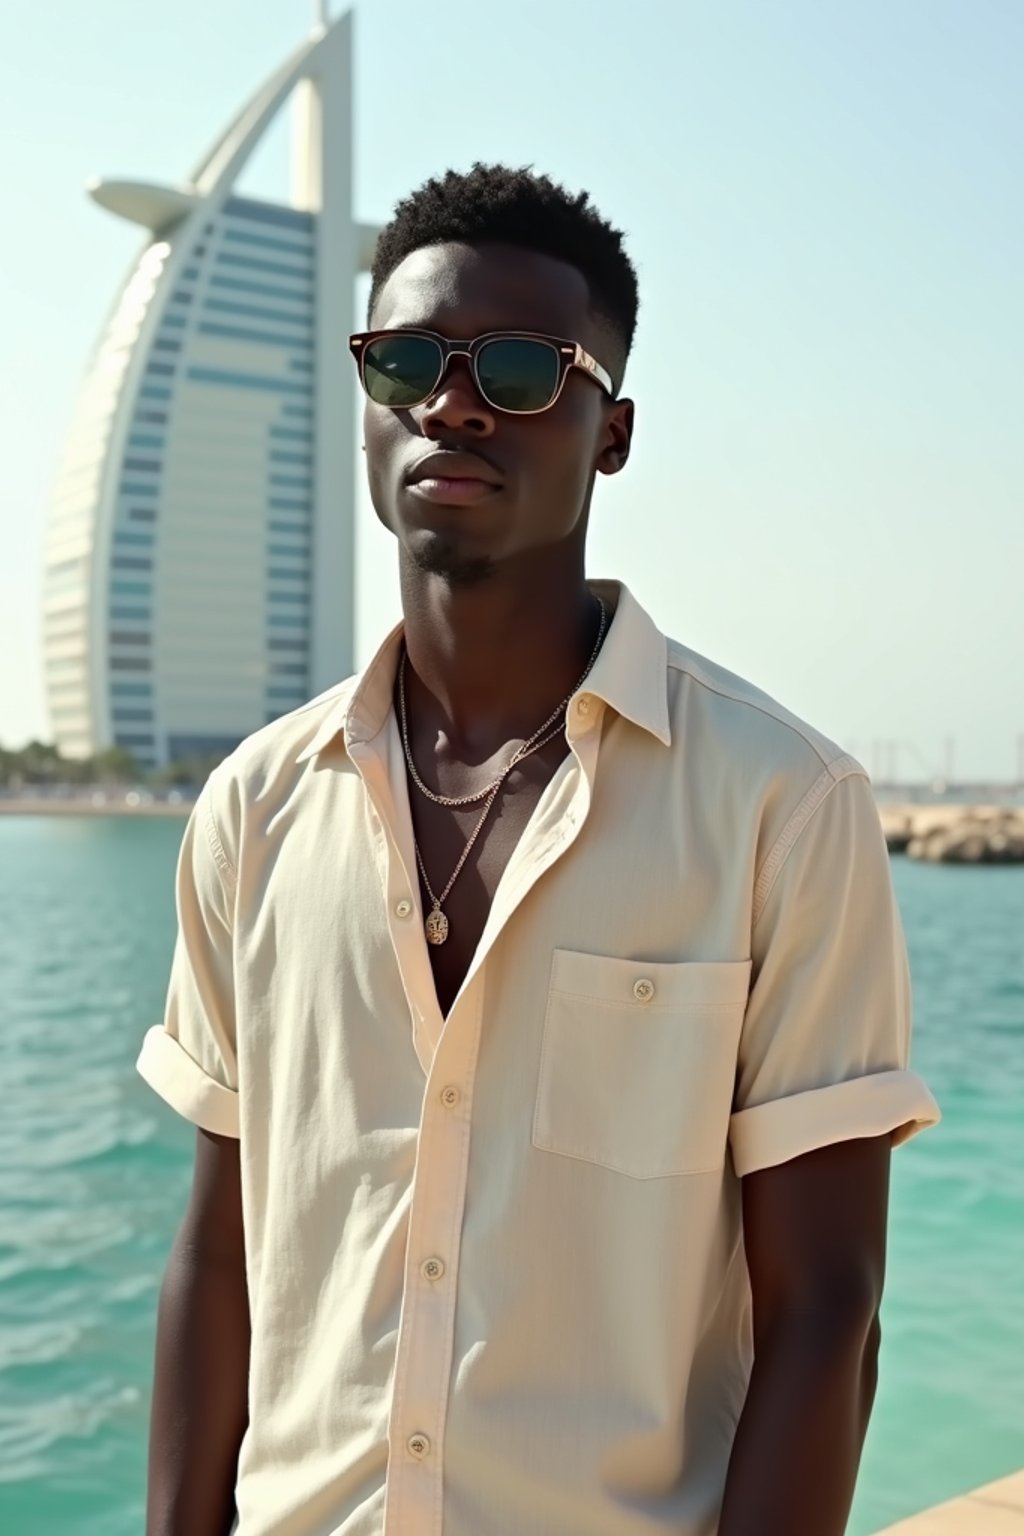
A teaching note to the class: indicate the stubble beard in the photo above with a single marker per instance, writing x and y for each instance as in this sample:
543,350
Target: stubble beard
440,557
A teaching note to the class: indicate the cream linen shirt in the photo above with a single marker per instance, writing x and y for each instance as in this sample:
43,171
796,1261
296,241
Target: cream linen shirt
495,1260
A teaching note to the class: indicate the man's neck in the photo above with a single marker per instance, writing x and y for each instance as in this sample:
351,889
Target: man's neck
489,661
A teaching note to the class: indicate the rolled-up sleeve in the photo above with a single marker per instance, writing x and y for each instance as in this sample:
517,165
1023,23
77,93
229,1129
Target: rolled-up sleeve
824,1052
190,1059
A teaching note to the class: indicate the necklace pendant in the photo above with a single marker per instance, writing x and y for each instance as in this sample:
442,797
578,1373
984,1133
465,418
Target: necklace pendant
436,926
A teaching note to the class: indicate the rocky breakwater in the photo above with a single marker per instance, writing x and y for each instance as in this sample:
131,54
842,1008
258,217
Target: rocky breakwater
956,834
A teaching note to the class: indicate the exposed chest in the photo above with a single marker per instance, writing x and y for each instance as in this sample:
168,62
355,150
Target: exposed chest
443,834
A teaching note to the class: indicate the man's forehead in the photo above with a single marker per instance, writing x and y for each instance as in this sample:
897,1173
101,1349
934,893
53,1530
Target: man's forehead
462,290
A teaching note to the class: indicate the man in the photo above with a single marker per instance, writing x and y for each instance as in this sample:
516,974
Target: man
540,998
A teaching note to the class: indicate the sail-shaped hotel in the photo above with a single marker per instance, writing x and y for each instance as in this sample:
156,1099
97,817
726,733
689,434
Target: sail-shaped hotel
199,561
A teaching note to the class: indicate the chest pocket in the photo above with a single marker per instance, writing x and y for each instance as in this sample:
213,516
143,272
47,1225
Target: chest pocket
638,1062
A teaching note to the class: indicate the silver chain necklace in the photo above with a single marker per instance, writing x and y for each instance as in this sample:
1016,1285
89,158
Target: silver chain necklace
534,743
437,925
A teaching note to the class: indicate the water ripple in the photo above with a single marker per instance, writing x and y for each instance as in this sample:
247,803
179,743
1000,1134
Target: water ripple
93,1177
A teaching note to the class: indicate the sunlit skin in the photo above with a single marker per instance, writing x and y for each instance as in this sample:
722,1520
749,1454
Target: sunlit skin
499,623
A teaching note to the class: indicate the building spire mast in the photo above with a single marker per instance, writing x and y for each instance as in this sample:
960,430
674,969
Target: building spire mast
320,8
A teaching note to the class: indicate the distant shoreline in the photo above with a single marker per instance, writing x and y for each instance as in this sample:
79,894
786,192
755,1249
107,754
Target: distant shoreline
42,805
921,814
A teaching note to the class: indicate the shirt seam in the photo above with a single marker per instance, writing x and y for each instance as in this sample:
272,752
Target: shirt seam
221,859
840,768
778,714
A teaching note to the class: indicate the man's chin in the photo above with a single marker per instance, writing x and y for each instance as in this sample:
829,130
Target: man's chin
438,554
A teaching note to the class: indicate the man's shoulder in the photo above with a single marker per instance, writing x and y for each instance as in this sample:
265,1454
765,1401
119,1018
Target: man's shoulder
723,709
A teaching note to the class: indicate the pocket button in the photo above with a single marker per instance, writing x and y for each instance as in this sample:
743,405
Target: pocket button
643,990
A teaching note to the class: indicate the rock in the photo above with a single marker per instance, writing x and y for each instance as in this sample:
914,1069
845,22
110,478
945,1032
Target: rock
974,836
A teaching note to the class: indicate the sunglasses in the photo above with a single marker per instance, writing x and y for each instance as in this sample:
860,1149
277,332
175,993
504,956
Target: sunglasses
516,371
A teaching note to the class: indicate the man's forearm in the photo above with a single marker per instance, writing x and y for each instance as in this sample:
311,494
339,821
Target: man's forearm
800,1435
200,1387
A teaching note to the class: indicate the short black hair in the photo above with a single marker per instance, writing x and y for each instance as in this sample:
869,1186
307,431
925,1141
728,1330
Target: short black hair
494,203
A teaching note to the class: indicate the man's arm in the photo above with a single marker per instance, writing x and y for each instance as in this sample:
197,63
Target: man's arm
814,1230
202,1356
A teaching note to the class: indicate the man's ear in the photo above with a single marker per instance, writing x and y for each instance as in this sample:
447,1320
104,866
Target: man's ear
617,437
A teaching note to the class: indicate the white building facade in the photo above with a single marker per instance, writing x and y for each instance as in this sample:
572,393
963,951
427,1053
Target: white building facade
200,557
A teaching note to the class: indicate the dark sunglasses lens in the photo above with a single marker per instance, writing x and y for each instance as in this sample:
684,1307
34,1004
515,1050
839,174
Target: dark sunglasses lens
517,374
400,371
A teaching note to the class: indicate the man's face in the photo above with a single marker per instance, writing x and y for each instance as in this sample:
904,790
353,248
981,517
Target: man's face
544,464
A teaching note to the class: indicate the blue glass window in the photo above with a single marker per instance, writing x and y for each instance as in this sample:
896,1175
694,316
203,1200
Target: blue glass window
174,322
189,274
287,669
287,692
268,290
160,416
288,620
303,411
143,537
300,365
146,440
302,529
286,456
129,637
290,247
201,746
263,338
142,514
296,434
247,381
137,488
131,690
268,213
301,598
256,264
129,664
286,573
154,392
144,466
181,297
142,716
131,588
132,563
279,643
120,611
289,551
132,740
160,368
293,482
257,312
289,504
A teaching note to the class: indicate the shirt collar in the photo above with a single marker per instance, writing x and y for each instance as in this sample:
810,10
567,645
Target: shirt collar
630,675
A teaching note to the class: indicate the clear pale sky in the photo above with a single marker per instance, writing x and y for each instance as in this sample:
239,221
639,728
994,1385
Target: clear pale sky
824,204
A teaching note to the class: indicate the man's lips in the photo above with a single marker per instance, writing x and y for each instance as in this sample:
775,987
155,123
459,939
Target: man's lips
453,492
450,464
453,478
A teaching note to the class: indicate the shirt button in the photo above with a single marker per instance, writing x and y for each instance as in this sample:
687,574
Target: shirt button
450,1096
432,1269
418,1445
403,908
643,990
583,704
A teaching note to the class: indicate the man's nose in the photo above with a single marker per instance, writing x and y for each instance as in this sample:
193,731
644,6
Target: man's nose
456,404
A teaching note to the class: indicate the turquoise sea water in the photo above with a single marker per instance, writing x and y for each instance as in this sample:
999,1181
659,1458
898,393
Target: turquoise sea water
94,1172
